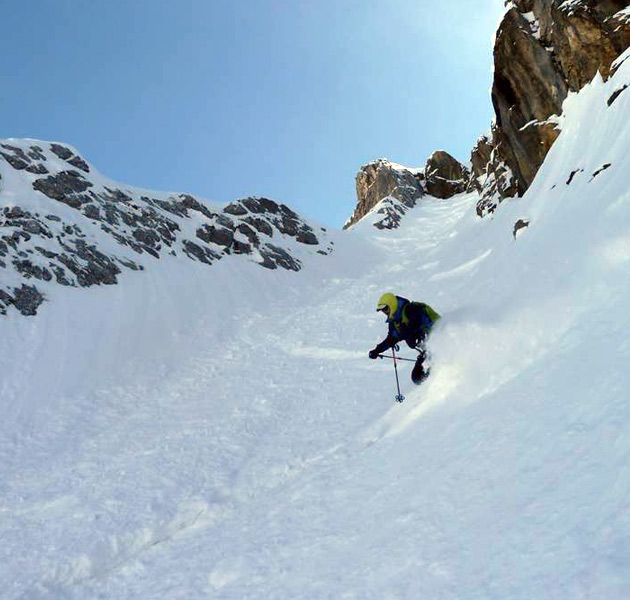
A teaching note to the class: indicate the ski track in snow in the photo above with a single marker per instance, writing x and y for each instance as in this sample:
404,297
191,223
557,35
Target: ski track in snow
188,434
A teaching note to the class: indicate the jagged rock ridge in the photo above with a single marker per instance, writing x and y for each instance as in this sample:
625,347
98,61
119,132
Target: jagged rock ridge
66,225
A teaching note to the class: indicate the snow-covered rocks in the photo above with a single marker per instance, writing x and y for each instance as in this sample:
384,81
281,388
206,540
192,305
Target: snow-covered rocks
62,223
382,179
393,189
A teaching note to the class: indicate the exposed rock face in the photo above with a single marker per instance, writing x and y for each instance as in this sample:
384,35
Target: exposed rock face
399,188
584,36
527,89
383,179
479,158
543,50
89,233
444,176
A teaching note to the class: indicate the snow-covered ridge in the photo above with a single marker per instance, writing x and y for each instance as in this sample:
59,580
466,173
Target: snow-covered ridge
63,223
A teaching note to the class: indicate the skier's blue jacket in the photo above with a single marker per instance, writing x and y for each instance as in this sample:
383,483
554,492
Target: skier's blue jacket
411,323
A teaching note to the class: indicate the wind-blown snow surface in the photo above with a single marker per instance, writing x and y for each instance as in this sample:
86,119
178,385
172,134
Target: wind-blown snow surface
240,444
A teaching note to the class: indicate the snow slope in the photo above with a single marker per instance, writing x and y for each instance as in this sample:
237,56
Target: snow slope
232,440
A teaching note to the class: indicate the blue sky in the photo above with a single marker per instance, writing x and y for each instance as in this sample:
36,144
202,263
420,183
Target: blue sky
223,99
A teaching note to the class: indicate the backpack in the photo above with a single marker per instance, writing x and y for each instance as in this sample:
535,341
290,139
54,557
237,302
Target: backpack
428,316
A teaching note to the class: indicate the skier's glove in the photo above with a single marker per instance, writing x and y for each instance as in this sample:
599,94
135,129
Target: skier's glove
374,353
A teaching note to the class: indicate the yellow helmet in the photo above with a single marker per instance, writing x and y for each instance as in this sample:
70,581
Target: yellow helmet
388,303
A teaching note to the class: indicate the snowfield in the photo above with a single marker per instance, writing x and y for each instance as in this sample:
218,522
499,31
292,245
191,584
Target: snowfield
220,433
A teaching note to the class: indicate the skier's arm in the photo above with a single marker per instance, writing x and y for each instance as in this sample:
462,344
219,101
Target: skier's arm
390,341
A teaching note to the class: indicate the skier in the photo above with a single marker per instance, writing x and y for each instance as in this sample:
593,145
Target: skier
408,321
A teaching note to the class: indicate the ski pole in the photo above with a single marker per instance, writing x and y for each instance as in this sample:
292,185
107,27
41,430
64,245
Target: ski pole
397,358
399,397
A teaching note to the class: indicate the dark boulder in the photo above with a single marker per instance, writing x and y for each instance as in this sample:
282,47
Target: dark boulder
444,176
27,299
66,187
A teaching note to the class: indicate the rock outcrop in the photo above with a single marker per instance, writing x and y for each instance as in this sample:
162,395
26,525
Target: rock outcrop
397,188
60,225
543,50
444,176
383,179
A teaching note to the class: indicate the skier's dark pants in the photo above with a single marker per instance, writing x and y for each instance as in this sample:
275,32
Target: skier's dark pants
419,374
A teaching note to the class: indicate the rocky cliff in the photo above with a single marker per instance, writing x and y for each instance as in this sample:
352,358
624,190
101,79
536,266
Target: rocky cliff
64,224
543,50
